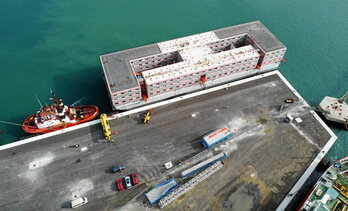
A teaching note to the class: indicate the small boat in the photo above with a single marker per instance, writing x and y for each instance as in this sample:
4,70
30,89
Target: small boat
58,116
331,190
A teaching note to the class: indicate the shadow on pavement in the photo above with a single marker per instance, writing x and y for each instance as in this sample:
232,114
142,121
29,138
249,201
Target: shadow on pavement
66,205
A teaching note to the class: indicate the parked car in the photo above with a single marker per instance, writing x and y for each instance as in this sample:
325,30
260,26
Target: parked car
289,100
134,179
117,168
127,180
119,184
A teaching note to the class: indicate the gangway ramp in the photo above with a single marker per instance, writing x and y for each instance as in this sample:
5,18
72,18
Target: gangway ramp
203,164
190,184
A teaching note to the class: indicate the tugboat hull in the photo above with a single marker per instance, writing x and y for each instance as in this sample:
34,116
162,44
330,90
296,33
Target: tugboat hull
89,113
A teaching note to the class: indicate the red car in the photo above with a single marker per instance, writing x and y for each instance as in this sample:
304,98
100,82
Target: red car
134,179
119,184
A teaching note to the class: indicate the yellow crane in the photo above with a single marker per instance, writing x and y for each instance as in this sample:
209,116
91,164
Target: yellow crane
106,126
147,116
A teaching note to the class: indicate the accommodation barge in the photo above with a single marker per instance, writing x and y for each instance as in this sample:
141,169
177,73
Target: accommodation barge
147,74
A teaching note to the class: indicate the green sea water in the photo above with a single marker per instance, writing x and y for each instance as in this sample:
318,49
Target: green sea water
56,44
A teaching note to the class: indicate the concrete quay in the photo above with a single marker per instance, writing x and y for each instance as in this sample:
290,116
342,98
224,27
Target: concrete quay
266,164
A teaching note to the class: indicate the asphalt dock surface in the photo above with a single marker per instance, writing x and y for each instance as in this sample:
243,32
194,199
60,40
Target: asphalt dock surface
266,156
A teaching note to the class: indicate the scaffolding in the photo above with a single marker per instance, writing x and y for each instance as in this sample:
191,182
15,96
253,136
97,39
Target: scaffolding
190,184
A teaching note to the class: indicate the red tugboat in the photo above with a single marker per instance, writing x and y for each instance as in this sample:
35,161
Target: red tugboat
58,116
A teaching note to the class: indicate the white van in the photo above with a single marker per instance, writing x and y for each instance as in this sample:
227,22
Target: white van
79,202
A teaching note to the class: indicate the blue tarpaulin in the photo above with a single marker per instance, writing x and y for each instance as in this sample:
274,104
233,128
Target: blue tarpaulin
161,190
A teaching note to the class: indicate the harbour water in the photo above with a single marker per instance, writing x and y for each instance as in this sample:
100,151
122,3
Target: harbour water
56,45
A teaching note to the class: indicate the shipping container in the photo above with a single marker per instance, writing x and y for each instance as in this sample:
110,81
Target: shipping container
216,137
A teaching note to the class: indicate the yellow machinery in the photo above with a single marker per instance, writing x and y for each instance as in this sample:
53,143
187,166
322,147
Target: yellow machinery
341,207
106,127
342,189
147,117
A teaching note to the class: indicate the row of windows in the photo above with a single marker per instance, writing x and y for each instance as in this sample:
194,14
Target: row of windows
123,101
127,96
251,62
151,92
157,60
221,45
218,50
159,91
140,67
171,88
171,84
231,71
270,61
239,67
227,40
128,93
237,64
164,85
278,52
185,77
154,65
273,57
153,57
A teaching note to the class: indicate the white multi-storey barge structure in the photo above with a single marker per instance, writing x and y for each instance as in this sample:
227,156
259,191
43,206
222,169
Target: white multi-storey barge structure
155,72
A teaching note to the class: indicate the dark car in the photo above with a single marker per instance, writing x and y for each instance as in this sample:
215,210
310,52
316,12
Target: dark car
119,184
117,168
134,179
